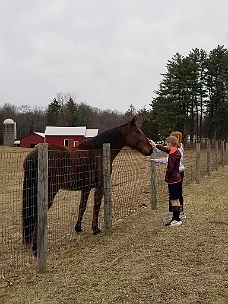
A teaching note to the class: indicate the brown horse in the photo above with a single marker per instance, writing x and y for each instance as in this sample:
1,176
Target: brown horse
78,168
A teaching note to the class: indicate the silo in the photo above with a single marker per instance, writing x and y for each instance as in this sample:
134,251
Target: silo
9,132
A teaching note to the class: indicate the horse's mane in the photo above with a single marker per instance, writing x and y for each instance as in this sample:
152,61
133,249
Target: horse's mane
112,136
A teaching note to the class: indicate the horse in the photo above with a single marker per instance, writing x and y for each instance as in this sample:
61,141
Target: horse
76,168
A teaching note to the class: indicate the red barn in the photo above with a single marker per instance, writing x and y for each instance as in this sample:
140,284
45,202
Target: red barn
68,136
64,136
32,139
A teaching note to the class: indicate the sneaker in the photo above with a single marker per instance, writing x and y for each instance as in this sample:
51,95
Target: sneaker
168,217
173,223
182,216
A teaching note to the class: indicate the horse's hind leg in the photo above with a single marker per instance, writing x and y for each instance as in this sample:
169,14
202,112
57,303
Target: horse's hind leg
82,208
96,209
34,241
34,236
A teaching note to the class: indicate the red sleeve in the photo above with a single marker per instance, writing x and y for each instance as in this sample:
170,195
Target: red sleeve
163,148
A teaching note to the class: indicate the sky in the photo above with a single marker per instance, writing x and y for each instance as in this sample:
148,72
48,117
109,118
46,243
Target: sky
109,54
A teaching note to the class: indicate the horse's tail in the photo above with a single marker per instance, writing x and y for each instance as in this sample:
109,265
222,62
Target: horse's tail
29,212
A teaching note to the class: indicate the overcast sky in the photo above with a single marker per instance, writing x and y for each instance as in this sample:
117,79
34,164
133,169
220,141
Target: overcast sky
108,53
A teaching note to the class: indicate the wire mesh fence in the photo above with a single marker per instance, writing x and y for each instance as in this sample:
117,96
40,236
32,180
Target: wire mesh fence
130,191
12,254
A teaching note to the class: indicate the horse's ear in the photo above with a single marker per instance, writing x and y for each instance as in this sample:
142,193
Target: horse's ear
133,121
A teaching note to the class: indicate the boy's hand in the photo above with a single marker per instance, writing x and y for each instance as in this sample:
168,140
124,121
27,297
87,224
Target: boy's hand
152,143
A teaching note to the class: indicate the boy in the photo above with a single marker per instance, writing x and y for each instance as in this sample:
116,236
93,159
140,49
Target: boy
172,176
164,160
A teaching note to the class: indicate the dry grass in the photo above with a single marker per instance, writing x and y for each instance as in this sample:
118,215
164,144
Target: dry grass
141,261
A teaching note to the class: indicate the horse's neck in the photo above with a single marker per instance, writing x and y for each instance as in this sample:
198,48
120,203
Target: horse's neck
114,137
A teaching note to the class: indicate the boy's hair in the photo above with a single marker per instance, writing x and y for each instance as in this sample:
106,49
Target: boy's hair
178,135
172,140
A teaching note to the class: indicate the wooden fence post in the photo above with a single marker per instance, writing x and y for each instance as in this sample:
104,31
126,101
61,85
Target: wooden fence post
226,153
42,207
222,151
216,155
153,184
197,163
107,188
208,157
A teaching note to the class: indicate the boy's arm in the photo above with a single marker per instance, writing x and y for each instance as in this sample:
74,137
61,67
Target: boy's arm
162,148
159,151
159,148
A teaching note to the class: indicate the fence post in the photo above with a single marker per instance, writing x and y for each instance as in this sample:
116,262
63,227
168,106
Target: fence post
42,207
107,188
222,143
208,157
216,155
197,162
227,153
153,184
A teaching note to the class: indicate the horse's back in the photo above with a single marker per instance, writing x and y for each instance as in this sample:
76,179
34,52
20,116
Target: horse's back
86,169
70,168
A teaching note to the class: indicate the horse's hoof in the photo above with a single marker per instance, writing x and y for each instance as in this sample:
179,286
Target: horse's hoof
96,230
78,228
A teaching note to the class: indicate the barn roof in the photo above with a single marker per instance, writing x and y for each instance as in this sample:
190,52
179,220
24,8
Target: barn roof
71,131
8,121
37,133
65,130
91,132
40,134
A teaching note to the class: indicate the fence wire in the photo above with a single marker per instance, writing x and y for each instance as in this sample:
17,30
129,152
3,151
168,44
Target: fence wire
130,192
12,254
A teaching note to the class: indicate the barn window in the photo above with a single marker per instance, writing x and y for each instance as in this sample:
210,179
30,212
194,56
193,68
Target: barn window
66,142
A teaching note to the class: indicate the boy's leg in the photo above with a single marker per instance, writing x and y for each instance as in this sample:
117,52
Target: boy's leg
176,209
176,214
170,206
174,199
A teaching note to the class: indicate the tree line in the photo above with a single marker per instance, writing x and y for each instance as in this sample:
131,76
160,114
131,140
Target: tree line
63,111
192,97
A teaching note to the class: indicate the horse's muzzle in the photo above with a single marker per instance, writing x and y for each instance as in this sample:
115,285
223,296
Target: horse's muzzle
148,153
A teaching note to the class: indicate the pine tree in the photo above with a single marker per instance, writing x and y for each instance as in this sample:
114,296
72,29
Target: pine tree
53,113
217,84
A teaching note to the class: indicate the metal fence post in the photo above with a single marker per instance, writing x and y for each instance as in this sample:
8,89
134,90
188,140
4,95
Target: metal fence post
216,155
153,184
208,157
107,188
222,151
226,153
42,207
197,163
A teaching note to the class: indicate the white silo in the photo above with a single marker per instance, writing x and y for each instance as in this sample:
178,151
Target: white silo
9,132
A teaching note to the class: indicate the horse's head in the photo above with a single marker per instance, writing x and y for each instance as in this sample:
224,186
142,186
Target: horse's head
136,139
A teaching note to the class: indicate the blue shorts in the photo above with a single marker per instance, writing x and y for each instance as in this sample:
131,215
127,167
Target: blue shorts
173,191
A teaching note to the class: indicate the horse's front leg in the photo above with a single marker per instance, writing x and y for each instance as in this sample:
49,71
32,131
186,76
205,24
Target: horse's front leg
98,194
82,209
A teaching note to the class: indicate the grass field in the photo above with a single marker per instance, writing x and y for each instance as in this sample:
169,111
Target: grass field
141,261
